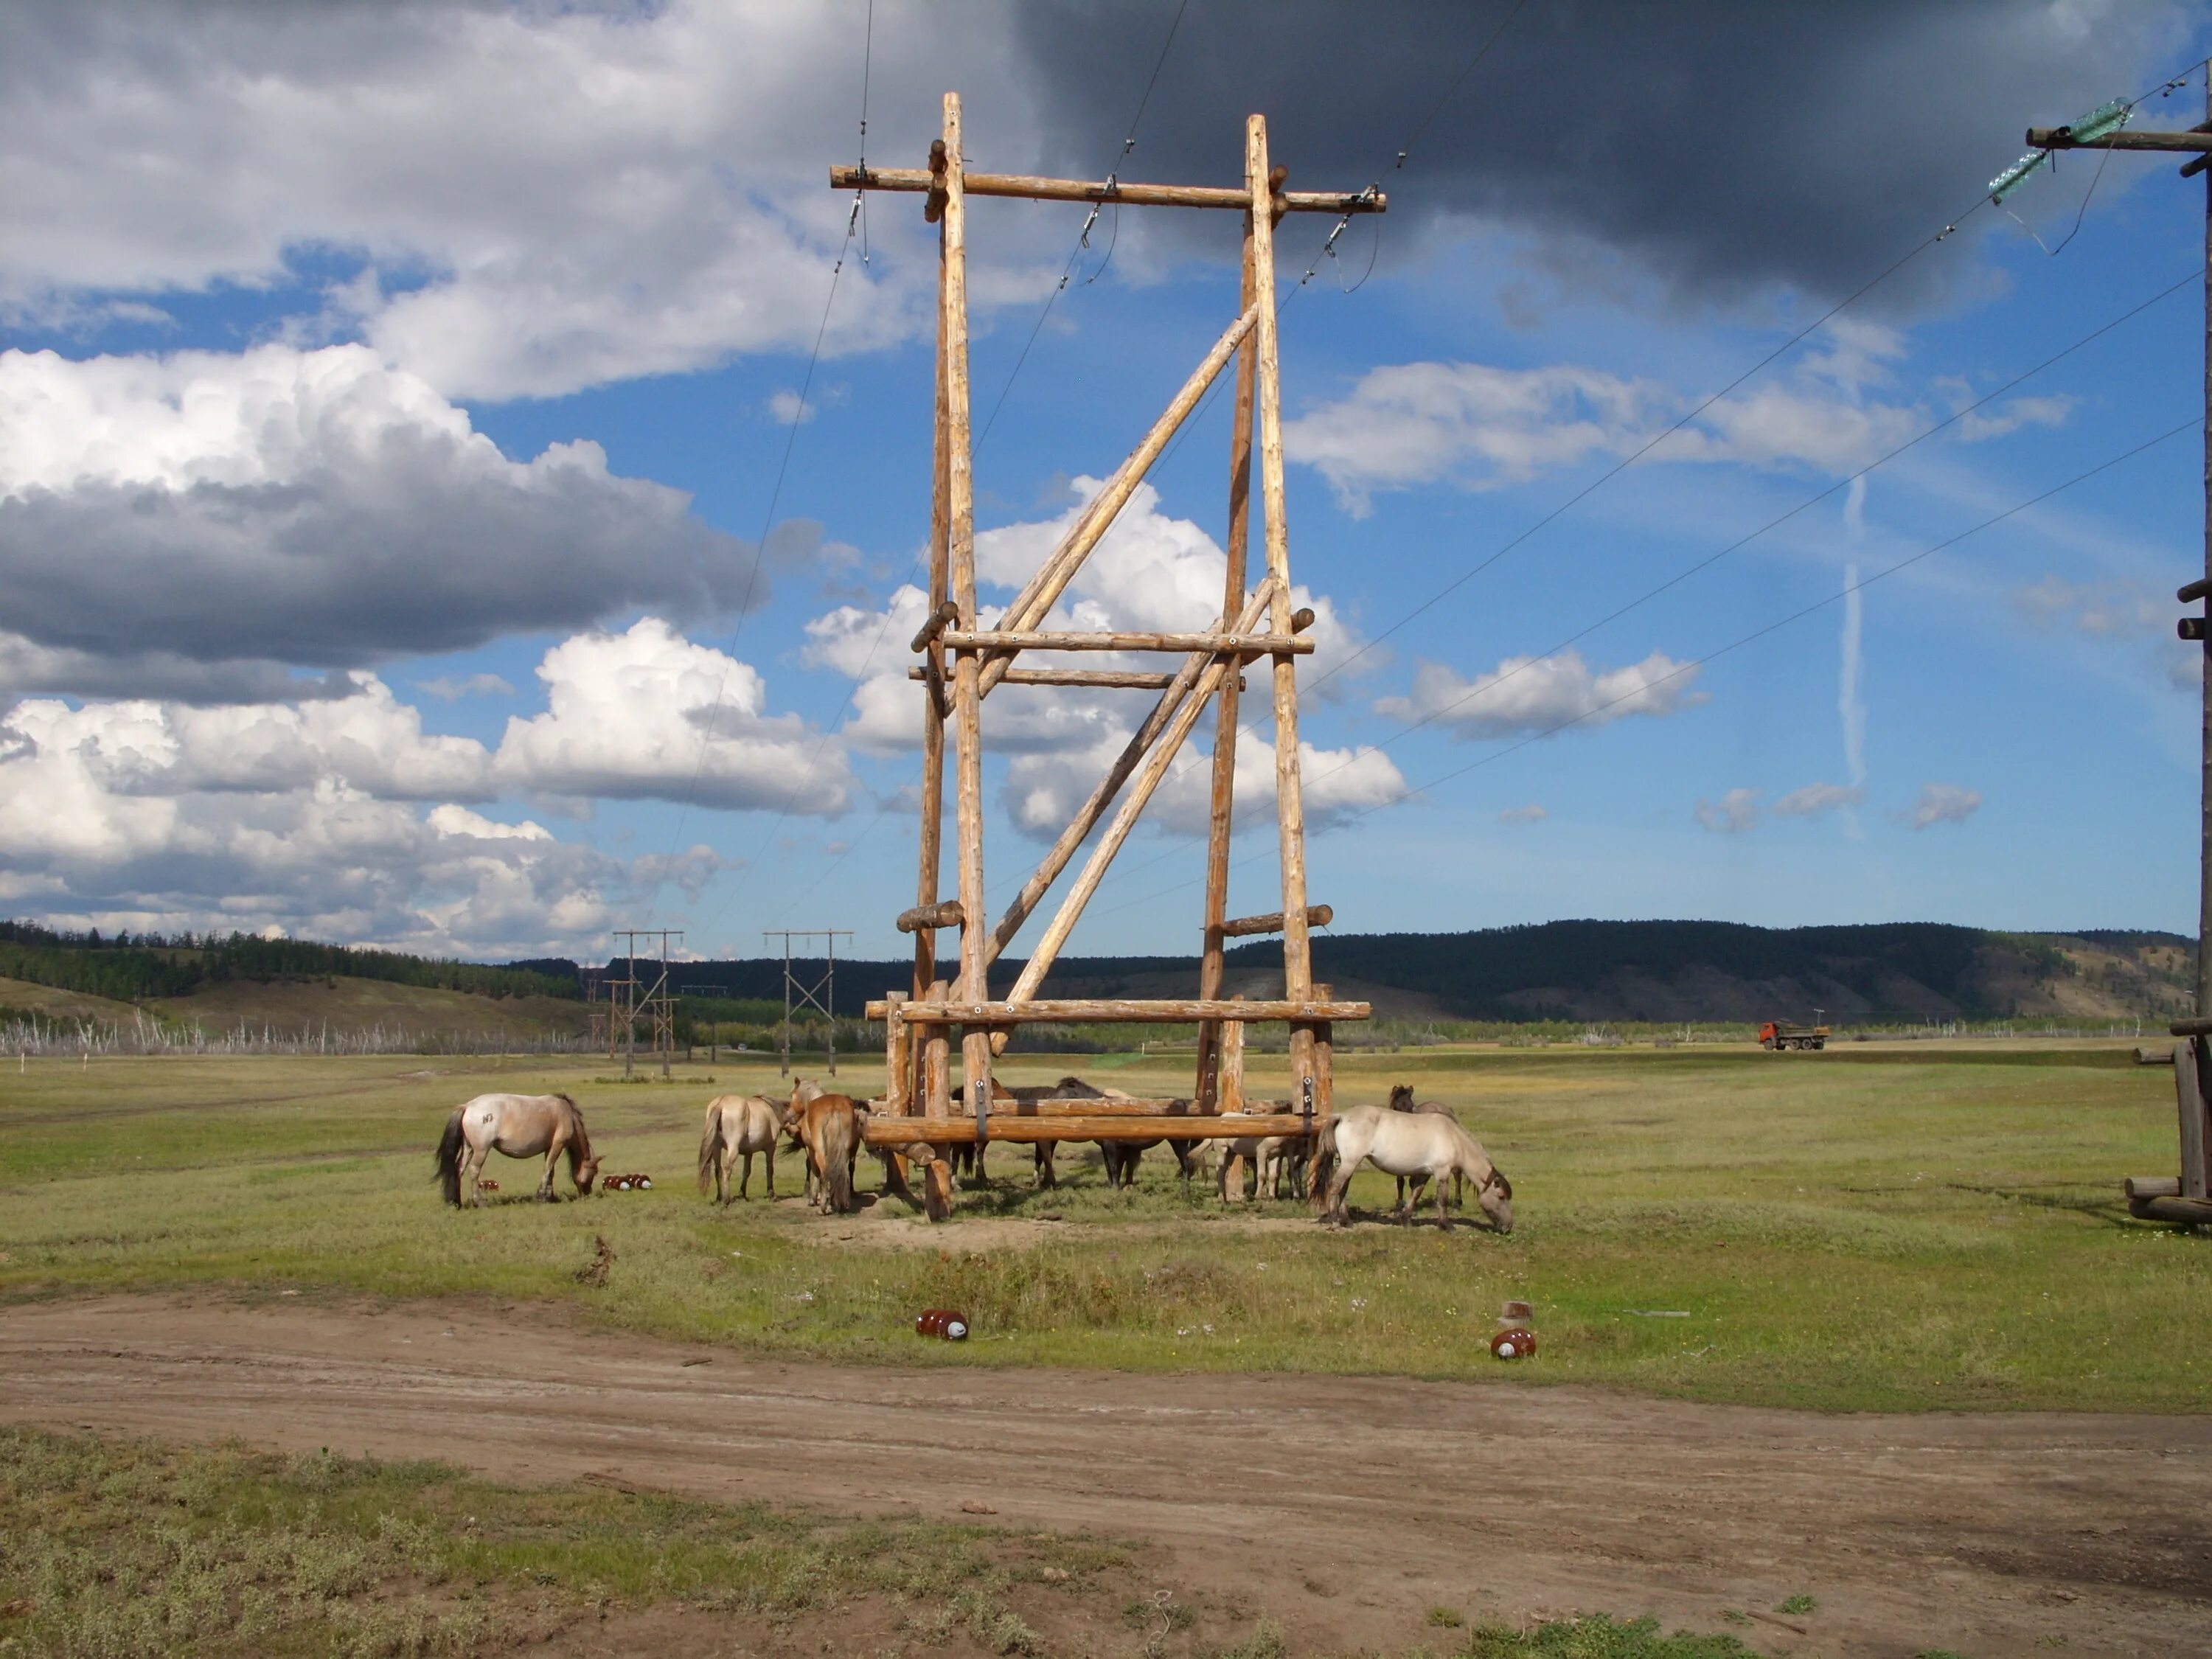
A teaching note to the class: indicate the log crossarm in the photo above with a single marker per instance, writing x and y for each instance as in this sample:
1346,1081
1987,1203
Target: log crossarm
1092,1010
920,181
1255,645
1106,680
2171,142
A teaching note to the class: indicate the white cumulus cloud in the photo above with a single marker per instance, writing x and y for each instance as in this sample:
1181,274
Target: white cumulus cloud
1532,696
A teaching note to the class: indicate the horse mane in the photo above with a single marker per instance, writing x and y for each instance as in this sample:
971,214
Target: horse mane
580,1147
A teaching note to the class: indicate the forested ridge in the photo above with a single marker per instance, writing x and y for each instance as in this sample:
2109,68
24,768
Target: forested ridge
132,967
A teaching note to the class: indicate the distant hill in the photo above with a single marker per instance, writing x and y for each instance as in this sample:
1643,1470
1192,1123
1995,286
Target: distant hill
1622,971
1576,971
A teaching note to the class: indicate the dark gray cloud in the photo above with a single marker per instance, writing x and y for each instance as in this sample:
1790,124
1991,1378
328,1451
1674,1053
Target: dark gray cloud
1720,145
311,509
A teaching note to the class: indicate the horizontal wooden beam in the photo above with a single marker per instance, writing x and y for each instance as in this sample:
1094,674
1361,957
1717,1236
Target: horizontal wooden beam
1092,1011
881,1130
1108,679
2151,1186
1031,188
2191,1027
1258,644
2064,138
2183,1212
1317,915
930,916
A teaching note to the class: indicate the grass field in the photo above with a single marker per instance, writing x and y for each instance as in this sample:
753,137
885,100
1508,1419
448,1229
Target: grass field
1914,1227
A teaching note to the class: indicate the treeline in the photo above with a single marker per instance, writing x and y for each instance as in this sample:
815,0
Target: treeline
129,967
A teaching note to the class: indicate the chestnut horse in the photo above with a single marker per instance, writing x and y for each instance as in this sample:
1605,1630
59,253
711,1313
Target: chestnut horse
520,1126
828,1127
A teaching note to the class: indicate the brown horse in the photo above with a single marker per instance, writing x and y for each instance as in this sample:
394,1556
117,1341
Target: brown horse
737,1126
828,1127
520,1126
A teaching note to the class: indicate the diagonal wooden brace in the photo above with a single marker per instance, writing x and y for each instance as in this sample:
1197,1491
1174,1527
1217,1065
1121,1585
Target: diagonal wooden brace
1053,576
1086,818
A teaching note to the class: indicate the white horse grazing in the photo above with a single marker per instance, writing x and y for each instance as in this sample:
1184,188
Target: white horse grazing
1419,1146
520,1126
737,1126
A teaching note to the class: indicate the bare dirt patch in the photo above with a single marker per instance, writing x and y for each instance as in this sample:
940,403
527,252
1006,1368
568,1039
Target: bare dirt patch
1344,1508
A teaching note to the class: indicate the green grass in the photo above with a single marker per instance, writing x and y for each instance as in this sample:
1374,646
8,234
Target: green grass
1909,1228
131,1547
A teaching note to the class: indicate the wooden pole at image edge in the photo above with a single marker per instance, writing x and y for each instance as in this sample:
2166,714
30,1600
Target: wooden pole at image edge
1290,804
967,686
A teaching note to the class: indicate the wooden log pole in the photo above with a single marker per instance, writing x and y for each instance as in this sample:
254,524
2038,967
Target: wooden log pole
932,832
2170,143
967,688
1317,915
2189,1069
937,1107
898,1057
1241,642
908,1131
1290,803
1030,187
2151,1186
2182,1212
1100,679
1222,795
926,918
941,1009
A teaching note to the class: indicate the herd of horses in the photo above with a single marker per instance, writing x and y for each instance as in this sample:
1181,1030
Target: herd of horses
1419,1142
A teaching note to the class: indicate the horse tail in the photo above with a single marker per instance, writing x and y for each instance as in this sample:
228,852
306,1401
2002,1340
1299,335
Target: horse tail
449,1158
836,1155
710,1146
1324,1167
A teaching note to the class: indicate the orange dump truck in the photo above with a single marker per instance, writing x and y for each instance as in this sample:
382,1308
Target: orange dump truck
1781,1034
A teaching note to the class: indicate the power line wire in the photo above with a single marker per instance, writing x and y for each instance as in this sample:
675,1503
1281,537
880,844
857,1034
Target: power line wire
1711,657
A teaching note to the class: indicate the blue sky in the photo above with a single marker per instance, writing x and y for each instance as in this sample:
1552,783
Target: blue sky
394,399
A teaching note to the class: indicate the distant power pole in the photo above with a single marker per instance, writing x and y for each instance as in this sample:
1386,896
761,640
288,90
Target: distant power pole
822,993
2187,1198
633,999
713,1029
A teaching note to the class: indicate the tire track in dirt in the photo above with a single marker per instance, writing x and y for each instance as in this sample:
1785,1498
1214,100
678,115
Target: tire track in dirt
1343,1507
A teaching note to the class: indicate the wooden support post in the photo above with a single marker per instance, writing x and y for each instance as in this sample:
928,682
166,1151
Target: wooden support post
1223,804
2190,1069
898,1057
1290,802
1231,1094
937,1104
932,836
967,689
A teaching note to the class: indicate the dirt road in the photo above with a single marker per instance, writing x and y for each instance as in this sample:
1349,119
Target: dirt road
1344,1508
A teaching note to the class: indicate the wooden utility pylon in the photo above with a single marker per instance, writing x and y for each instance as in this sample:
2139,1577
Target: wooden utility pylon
961,662
820,994
2186,1197
643,997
